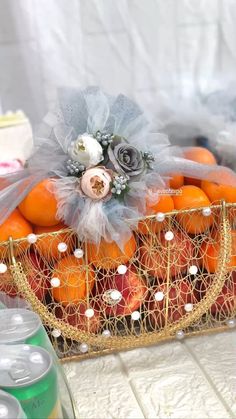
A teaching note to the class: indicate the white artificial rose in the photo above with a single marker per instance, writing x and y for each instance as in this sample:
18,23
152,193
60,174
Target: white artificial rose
86,150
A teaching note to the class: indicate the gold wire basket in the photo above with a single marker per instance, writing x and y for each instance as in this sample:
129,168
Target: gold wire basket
176,277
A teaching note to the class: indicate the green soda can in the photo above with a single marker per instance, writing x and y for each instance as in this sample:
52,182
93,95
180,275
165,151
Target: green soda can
10,407
18,325
29,374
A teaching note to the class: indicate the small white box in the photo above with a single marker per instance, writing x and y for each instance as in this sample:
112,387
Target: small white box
16,138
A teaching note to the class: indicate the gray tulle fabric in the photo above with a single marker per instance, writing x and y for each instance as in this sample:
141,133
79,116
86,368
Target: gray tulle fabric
213,117
90,110
186,118
222,104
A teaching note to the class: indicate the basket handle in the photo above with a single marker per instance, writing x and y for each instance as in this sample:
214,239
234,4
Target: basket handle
146,338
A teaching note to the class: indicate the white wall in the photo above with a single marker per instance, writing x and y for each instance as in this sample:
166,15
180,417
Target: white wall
130,46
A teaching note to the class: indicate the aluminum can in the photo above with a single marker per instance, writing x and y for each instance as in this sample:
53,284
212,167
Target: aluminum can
29,374
10,407
18,325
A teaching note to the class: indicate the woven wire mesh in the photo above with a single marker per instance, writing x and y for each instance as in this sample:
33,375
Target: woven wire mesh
174,274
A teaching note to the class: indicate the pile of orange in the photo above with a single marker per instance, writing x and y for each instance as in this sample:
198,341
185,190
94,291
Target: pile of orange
37,214
189,194
37,209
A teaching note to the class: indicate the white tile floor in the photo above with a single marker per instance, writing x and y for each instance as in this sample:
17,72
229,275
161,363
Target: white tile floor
194,378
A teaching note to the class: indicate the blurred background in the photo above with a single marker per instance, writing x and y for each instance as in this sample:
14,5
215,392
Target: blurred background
136,47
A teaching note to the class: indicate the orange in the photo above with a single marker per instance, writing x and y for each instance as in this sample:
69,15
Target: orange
40,205
108,255
199,155
192,197
74,278
14,226
210,253
165,204
47,246
217,191
176,181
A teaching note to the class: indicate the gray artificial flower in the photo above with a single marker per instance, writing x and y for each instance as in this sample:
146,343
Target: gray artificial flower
125,158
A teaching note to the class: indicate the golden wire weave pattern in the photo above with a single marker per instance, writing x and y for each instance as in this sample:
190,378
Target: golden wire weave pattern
169,280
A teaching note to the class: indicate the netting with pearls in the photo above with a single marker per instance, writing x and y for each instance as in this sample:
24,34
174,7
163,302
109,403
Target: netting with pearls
177,282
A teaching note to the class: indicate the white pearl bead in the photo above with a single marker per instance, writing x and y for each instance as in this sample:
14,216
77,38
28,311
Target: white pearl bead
206,212
83,348
169,235
62,247
231,323
193,269
56,333
122,269
188,307
160,216
180,334
89,313
106,333
116,295
55,282
78,253
135,315
3,268
159,296
32,238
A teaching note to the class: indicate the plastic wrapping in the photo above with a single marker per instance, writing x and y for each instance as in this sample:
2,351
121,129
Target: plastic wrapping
208,121
6,301
151,161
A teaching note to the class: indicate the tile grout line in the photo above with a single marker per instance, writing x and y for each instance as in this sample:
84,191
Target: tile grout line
126,376
208,379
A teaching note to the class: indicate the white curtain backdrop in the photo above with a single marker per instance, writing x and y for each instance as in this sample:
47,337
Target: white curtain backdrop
132,46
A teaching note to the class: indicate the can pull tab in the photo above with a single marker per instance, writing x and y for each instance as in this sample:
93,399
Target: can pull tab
19,372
